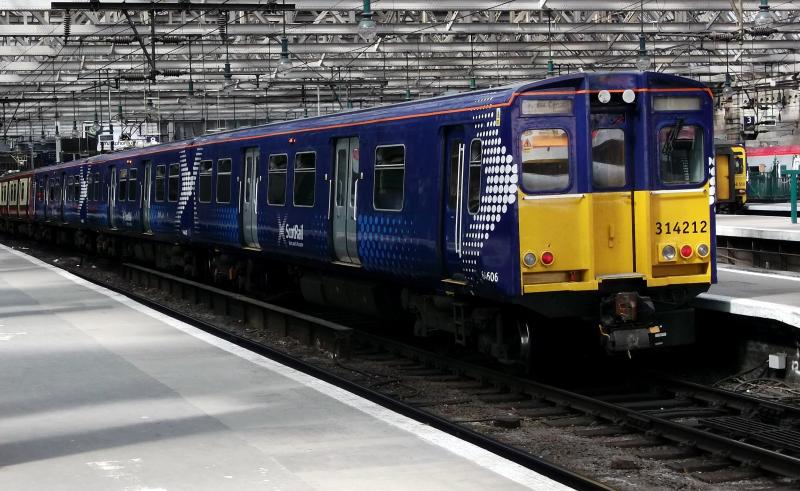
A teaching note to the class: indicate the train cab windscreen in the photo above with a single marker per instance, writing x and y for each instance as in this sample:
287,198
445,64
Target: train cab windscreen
681,154
545,160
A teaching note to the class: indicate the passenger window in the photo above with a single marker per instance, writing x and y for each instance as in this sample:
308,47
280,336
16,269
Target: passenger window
133,188
122,186
454,174
69,189
204,182
545,160
224,181
174,184
276,192
390,170
305,172
608,158
475,158
161,172
681,154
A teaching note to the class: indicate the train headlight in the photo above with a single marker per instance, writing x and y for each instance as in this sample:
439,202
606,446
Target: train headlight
686,251
702,250
668,253
529,259
548,258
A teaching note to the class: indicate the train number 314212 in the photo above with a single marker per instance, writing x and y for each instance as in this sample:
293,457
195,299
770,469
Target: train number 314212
669,228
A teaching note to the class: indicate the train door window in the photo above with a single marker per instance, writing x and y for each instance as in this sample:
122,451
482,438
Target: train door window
545,160
122,185
161,171
681,154
475,158
12,191
133,185
98,186
204,182
341,176
739,163
608,158
68,196
454,163
390,171
276,192
305,171
224,181
174,182
23,192
90,187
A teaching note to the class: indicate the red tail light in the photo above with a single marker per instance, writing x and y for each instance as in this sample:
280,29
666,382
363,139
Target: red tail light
686,251
547,258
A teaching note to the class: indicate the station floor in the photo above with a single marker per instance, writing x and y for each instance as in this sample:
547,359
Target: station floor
769,207
102,393
758,227
754,294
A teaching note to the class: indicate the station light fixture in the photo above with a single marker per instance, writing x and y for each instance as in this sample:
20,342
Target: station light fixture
763,19
550,68
367,28
643,59
727,89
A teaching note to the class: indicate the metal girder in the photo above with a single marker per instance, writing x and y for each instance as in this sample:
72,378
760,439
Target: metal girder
426,47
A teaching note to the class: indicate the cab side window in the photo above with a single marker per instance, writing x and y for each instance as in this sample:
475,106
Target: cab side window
545,160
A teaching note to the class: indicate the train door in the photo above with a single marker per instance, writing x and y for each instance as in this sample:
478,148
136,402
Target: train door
454,203
345,200
62,196
112,197
48,189
613,181
248,209
147,185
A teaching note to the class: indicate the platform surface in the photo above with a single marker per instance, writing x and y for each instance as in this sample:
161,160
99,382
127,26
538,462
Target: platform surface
758,227
754,294
102,393
783,206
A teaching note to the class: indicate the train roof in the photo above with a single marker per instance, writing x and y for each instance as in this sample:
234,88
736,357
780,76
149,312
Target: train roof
492,97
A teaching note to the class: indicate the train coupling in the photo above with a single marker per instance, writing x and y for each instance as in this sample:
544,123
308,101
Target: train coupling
630,322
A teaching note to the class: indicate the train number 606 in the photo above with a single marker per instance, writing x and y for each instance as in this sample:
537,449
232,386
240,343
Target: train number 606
669,228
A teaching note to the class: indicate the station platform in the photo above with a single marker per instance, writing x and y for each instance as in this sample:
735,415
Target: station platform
779,207
758,227
754,294
100,392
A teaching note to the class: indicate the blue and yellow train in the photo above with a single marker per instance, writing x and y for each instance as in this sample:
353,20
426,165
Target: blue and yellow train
484,214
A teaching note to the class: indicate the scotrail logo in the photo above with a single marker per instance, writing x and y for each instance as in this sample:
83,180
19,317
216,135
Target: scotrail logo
289,235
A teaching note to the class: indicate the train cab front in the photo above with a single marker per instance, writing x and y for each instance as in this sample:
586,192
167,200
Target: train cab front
616,204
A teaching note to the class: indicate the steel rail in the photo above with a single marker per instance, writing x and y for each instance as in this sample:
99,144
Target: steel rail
744,453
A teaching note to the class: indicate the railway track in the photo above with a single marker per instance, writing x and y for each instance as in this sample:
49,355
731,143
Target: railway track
715,435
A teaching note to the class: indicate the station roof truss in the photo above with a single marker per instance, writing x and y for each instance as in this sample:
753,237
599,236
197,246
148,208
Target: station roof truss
190,60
